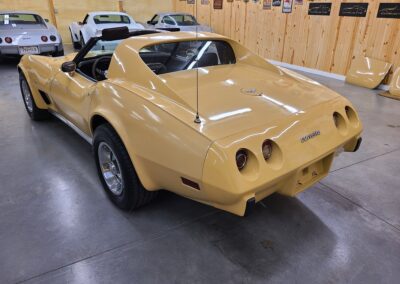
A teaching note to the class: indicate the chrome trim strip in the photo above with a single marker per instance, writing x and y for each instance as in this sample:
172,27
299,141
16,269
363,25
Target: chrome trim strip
73,127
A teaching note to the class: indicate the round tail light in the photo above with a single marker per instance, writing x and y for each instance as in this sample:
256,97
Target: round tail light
44,38
352,116
53,38
8,40
267,149
241,159
336,119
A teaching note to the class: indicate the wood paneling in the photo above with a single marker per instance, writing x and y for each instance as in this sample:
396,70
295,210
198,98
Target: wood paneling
39,6
327,43
144,10
68,11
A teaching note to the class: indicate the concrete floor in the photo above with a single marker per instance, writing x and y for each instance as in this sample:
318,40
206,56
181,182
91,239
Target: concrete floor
57,226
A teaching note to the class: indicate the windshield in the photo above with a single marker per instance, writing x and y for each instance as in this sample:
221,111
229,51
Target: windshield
102,48
111,19
186,55
20,19
181,20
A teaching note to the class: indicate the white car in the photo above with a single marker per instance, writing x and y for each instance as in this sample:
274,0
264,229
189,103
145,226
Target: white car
182,21
23,32
95,22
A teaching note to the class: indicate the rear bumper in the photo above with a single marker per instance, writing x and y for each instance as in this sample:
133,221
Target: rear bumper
240,200
43,49
304,147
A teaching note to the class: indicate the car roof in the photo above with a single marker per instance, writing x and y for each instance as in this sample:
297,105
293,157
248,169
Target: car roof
107,12
138,42
17,12
172,14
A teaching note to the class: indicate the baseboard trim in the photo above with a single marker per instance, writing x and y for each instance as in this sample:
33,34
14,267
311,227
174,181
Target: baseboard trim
318,72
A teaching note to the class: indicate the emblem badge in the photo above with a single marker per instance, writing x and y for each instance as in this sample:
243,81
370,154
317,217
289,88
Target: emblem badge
251,92
310,136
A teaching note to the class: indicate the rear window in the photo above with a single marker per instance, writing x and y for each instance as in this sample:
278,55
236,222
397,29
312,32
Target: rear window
111,19
182,20
178,56
21,19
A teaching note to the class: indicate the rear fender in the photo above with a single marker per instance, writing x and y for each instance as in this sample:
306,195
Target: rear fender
75,31
162,148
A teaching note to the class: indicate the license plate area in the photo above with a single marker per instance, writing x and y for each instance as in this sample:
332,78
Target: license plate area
28,50
313,173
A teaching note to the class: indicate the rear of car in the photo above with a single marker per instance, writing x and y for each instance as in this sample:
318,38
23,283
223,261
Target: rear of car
272,130
27,33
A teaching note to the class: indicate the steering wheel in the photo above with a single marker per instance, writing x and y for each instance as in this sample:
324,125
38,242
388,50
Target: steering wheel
98,73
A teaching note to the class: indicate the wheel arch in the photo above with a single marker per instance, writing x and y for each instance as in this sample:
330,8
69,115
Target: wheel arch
39,101
97,120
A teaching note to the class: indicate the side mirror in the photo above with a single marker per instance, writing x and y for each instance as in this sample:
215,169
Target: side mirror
68,67
80,23
46,20
149,22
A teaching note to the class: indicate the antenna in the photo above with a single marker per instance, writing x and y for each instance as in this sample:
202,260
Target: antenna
197,119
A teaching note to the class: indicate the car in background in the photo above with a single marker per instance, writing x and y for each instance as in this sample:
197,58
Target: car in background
199,115
23,32
95,22
183,21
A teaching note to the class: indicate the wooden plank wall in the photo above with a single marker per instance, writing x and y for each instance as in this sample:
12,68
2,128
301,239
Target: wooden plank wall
68,11
327,43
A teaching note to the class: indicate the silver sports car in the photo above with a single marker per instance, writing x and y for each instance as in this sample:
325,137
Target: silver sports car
27,33
182,21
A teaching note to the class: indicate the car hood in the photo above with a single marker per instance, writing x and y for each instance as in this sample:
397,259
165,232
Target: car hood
234,98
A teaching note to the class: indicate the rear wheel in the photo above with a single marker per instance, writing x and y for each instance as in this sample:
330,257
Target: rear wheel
34,112
116,171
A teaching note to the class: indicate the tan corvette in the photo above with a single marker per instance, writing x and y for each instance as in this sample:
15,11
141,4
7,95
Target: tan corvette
261,129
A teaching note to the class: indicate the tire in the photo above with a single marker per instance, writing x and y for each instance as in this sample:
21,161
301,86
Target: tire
129,193
58,53
33,111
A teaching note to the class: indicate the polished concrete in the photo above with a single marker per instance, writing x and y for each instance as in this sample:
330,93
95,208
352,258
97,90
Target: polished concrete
57,226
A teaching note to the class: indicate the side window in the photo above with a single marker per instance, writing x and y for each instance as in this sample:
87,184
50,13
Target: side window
168,20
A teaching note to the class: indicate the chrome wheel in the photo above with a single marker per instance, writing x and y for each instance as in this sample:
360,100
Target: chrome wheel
27,96
110,168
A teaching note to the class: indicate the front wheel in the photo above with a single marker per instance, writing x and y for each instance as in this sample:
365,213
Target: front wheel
116,171
33,111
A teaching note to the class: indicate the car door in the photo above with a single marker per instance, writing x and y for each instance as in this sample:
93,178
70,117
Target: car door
71,94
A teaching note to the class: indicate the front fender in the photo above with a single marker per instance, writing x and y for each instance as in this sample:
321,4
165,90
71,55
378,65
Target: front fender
25,68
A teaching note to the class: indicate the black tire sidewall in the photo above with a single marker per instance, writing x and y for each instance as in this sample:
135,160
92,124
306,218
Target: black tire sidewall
126,199
21,79
36,113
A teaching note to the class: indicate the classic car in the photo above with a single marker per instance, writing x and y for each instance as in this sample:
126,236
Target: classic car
196,114
24,32
181,21
95,22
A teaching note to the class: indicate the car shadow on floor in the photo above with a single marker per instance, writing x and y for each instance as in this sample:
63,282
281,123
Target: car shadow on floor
278,233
